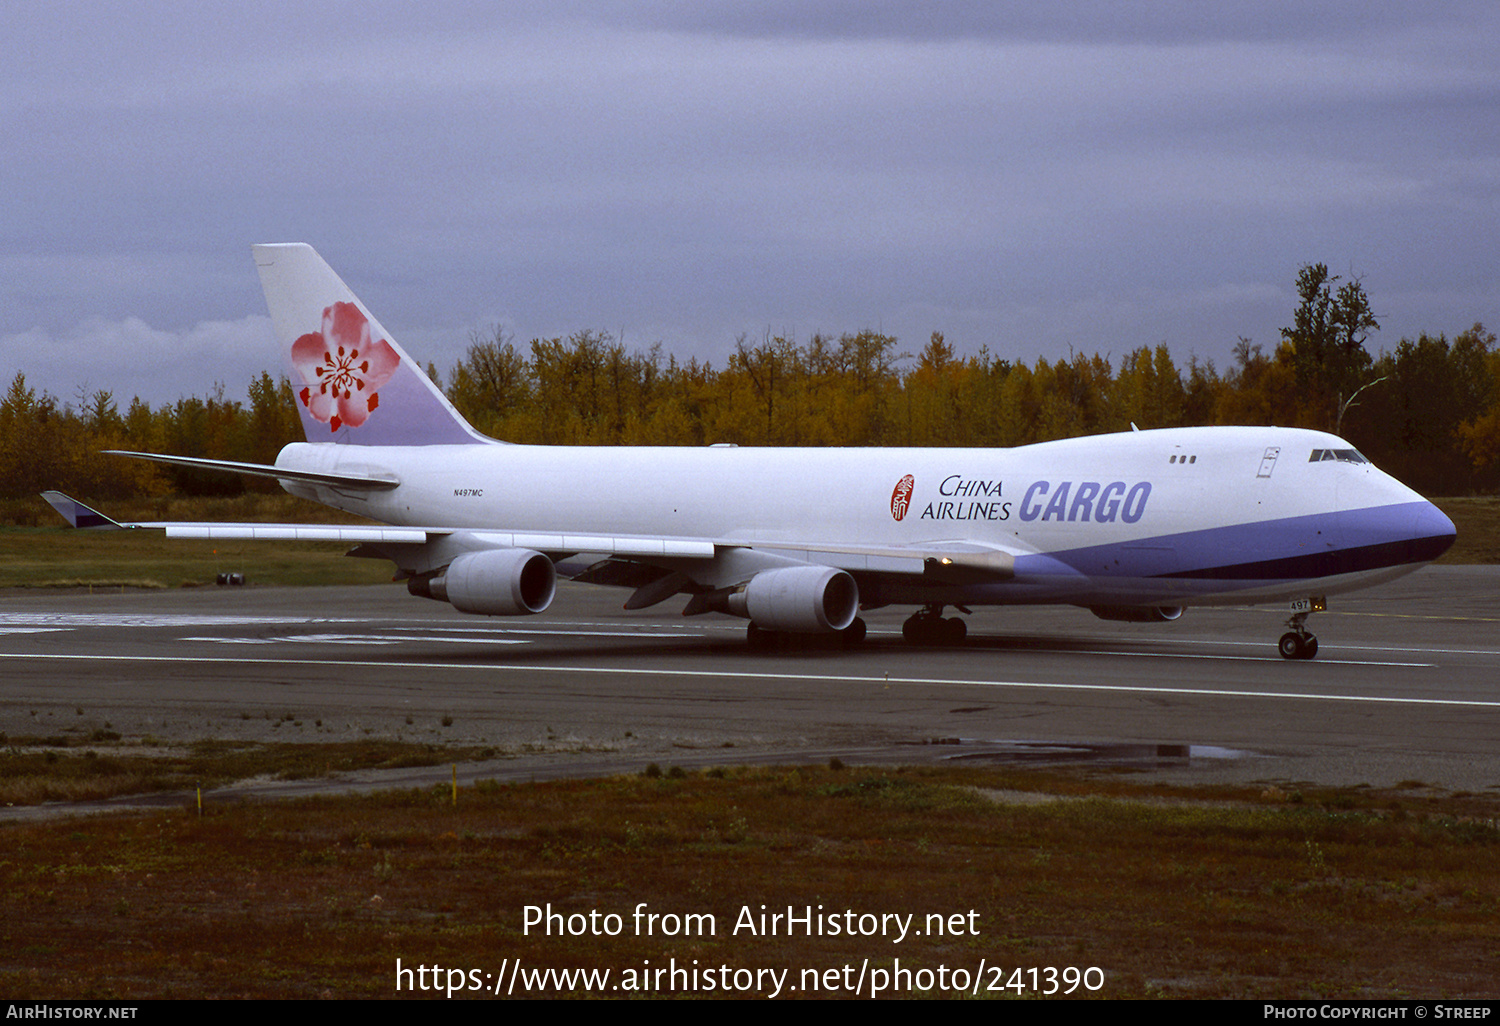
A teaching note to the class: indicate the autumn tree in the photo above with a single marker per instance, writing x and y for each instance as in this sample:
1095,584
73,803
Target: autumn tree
31,449
933,411
492,383
1326,342
1149,391
1480,434
273,421
865,370
1414,423
761,382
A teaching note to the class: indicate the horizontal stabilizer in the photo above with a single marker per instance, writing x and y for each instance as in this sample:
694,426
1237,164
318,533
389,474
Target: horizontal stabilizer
79,515
265,470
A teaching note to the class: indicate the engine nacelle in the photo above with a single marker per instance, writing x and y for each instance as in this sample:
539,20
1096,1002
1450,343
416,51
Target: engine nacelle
1137,614
802,599
497,582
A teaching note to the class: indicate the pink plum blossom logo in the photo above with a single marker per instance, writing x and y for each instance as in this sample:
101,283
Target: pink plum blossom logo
342,367
901,496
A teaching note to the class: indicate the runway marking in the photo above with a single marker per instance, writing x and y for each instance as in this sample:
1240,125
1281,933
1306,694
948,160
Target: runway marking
497,636
783,675
1418,616
1418,649
64,620
1231,658
355,639
29,623
491,637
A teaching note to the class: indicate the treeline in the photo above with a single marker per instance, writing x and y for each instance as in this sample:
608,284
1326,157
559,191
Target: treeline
48,444
1427,411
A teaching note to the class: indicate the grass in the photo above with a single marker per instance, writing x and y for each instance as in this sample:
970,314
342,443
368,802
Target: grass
60,557
63,558
1266,892
98,765
264,507
39,552
1478,521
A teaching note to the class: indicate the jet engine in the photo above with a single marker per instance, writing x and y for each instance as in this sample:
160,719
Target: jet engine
497,582
802,599
1137,614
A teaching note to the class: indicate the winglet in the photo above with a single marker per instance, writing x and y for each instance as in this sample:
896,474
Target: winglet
79,515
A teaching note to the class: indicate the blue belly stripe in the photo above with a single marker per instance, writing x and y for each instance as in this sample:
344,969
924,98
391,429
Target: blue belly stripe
1317,545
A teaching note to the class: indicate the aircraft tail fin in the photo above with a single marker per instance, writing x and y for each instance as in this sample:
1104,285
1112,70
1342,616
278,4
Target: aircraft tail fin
354,384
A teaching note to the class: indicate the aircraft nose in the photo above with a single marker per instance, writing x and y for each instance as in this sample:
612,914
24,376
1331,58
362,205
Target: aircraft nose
1432,533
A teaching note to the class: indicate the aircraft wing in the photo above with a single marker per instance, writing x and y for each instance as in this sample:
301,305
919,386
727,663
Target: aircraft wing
376,482
83,516
946,560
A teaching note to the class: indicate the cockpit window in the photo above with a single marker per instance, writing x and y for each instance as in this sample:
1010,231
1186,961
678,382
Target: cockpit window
1341,455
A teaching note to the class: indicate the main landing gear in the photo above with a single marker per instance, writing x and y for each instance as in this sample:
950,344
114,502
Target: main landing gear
1299,642
762,640
927,627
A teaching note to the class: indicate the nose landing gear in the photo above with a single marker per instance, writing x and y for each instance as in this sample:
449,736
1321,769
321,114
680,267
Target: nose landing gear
1299,642
1298,646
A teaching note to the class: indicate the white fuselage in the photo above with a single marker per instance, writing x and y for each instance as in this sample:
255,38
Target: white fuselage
1185,516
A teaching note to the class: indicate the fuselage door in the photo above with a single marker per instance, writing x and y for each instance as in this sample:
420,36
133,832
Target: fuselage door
1268,461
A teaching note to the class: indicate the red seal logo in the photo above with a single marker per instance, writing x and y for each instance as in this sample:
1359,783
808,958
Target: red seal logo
901,496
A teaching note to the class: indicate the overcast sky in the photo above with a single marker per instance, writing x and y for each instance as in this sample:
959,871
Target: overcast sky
1030,177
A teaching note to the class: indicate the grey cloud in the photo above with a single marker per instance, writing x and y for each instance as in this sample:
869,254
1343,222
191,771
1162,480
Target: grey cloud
1026,177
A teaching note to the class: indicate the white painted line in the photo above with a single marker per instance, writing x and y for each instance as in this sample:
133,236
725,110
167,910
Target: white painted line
782,675
356,639
1321,661
156,620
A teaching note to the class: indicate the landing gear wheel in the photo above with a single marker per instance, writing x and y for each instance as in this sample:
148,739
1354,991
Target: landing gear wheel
1298,646
760,640
853,635
1299,642
928,627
